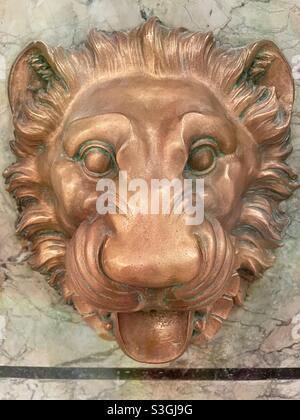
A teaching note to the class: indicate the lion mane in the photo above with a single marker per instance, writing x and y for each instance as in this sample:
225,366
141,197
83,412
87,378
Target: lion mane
57,75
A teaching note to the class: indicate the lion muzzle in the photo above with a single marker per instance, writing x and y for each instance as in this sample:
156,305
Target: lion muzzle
150,323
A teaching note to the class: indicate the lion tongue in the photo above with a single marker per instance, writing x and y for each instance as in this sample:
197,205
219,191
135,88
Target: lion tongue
154,337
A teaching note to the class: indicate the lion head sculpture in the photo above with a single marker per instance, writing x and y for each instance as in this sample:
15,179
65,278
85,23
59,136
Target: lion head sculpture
156,103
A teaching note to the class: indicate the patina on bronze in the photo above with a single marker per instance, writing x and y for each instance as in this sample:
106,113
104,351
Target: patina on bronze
147,96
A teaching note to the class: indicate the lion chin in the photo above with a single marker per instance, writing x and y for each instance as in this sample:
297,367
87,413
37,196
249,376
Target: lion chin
157,104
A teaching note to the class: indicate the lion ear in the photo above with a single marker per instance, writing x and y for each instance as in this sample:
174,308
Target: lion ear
266,66
33,70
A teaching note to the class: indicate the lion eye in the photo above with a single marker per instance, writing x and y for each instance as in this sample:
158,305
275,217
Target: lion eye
202,159
97,161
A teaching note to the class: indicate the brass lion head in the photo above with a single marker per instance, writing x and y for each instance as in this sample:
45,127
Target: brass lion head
157,103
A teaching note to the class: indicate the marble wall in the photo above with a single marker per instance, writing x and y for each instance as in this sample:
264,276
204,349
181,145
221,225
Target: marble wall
38,329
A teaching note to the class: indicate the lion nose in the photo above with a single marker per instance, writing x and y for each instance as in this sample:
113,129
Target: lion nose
156,258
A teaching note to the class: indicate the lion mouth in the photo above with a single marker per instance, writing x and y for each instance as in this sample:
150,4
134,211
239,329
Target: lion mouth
154,336
120,311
